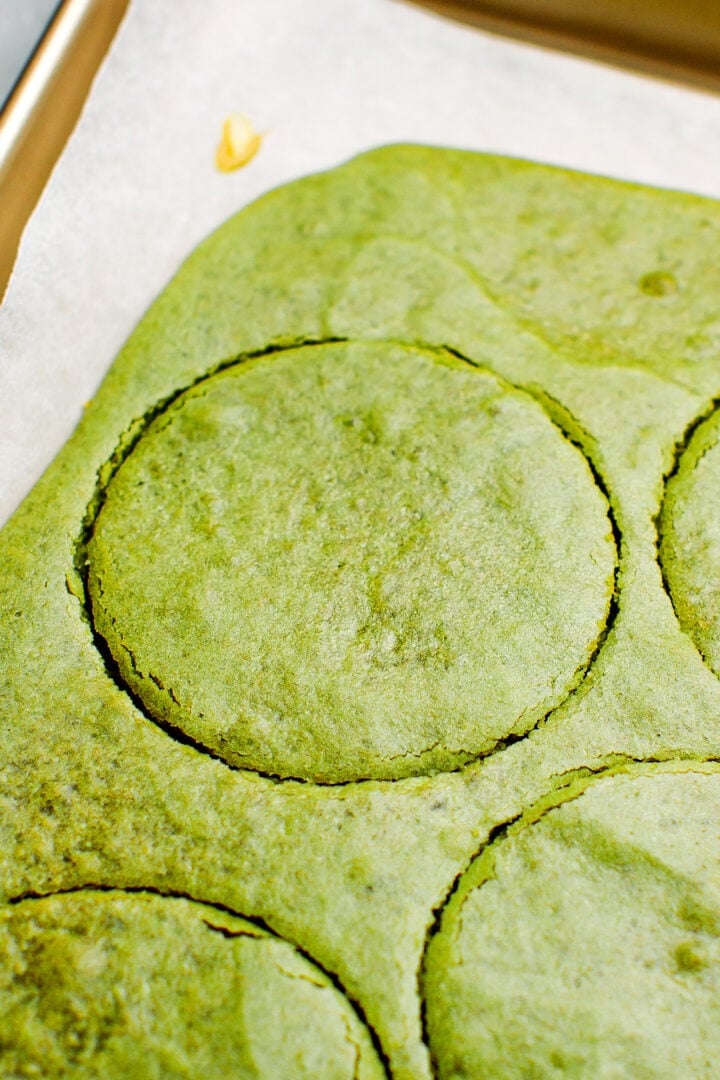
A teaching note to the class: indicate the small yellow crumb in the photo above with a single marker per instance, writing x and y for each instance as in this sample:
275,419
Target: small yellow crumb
239,143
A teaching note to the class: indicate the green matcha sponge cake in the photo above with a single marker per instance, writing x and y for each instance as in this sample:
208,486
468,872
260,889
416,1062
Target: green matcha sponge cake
360,651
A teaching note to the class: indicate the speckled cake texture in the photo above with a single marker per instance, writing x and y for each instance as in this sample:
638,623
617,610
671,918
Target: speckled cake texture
360,704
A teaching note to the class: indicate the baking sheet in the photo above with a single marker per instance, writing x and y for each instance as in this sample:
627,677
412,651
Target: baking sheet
137,188
44,107
678,39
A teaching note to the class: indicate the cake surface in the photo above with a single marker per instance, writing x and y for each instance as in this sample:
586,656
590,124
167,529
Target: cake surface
133,984
585,941
350,561
360,650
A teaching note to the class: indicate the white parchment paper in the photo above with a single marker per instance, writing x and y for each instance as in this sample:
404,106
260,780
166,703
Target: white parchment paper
136,187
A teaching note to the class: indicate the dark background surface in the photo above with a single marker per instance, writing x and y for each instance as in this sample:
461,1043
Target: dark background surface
22,23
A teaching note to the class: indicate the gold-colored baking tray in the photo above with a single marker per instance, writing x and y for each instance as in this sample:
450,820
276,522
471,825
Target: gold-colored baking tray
43,109
673,39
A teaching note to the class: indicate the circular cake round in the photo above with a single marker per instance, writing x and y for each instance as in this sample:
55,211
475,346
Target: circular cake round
352,561
587,943
118,985
690,540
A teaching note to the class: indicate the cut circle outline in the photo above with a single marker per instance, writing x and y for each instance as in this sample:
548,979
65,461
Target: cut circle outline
684,543
224,920
138,429
450,918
